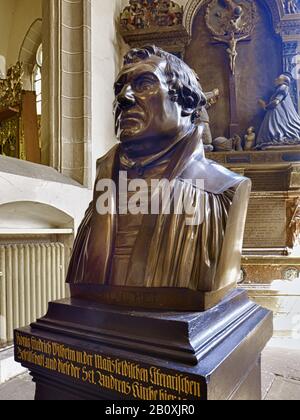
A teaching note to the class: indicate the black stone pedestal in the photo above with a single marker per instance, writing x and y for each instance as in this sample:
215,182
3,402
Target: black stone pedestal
86,351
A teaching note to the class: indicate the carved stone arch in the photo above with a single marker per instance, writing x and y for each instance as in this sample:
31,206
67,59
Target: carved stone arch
28,50
193,7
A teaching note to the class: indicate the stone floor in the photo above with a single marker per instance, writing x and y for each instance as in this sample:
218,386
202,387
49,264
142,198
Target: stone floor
280,378
19,389
280,373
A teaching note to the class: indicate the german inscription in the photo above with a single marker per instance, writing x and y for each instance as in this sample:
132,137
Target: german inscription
129,379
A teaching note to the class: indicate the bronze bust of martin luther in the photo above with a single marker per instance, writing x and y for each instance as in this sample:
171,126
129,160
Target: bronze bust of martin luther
158,260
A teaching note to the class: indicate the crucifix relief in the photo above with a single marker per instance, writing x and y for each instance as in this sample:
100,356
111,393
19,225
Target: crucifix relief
231,22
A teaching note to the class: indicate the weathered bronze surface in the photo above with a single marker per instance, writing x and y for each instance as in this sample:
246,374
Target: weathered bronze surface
158,99
162,346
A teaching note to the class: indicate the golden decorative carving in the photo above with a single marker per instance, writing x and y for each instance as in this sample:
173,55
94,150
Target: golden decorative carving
9,137
11,87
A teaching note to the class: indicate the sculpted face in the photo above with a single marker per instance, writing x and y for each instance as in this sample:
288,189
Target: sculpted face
282,79
144,109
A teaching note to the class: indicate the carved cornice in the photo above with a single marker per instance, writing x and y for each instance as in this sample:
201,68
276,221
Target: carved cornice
173,39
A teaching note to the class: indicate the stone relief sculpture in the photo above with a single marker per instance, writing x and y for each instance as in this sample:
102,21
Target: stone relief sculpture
281,126
250,139
231,22
158,99
294,226
223,144
142,14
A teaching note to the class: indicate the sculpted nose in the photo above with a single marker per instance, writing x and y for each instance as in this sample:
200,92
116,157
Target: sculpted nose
126,98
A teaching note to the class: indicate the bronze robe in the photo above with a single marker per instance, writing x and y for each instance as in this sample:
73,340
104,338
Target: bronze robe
167,252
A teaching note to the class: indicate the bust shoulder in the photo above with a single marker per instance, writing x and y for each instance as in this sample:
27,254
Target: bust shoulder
217,179
109,155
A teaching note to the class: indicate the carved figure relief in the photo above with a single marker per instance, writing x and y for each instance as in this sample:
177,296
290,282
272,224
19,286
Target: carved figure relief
143,14
281,125
231,22
250,139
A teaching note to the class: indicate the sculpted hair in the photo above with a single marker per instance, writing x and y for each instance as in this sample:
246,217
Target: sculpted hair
184,84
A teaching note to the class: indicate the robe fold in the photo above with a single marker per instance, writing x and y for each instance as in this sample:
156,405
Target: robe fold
168,252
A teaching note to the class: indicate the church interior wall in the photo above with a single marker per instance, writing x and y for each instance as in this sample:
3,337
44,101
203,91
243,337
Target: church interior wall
105,66
6,19
15,20
26,12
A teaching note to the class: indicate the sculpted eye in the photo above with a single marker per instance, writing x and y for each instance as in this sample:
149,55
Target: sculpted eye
144,82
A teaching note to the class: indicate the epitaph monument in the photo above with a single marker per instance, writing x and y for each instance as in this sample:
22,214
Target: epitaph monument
176,253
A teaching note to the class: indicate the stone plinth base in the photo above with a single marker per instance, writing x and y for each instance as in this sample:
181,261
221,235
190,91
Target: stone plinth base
86,351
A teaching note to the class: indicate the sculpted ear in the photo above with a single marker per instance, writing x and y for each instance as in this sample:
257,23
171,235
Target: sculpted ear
192,103
189,106
173,95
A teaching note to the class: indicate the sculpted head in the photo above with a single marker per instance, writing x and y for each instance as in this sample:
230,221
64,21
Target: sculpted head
284,79
158,97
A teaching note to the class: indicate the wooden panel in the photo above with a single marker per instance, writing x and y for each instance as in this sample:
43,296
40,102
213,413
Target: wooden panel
30,127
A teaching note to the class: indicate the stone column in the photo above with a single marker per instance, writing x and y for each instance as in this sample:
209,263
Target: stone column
66,137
